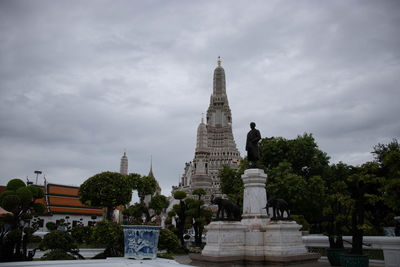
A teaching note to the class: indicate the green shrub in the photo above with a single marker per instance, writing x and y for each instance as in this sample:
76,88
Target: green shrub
14,184
302,221
57,254
168,240
56,240
179,195
81,234
111,235
51,226
165,256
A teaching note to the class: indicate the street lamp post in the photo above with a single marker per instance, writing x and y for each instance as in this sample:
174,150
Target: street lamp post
37,174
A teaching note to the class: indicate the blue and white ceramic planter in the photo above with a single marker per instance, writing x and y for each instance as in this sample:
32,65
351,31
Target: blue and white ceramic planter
141,241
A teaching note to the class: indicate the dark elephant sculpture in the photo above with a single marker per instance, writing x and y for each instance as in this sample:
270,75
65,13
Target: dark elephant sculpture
226,207
279,206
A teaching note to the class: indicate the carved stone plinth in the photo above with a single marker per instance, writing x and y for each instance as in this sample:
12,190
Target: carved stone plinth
254,196
283,238
225,239
255,238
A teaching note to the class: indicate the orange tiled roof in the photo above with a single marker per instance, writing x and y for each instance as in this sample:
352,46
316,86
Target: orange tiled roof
64,199
62,190
42,200
87,211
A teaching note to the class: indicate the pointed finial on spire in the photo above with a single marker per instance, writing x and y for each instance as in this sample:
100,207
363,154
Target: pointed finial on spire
151,167
219,61
202,117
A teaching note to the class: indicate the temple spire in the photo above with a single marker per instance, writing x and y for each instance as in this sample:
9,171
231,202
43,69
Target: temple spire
219,80
151,167
124,165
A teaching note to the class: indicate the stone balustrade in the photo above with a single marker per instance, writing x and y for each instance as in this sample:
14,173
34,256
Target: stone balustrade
390,246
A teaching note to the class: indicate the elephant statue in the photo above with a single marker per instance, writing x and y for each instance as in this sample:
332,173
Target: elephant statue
226,207
279,206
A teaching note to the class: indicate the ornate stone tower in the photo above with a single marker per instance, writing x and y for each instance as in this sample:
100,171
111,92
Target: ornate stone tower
123,169
215,144
222,146
201,178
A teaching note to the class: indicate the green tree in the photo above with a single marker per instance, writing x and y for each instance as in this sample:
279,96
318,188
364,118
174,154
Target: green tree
179,213
302,153
81,234
106,189
364,187
197,215
61,244
388,158
168,240
336,210
145,186
20,200
232,183
296,172
110,235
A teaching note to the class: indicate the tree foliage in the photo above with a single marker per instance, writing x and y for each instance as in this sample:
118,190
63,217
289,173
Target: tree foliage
197,215
179,213
18,199
110,235
57,239
364,187
154,206
231,184
168,240
337,205
106,189
388,158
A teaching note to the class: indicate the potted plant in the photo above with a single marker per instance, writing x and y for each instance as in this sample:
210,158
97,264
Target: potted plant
335,215
364,188
336,210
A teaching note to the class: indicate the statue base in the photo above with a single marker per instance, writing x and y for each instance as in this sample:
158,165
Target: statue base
225,239
256,238
276,242
283,238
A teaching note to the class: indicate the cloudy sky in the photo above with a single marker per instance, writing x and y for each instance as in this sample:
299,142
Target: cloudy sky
82,81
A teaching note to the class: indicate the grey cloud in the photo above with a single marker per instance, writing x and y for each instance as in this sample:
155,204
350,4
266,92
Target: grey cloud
82,81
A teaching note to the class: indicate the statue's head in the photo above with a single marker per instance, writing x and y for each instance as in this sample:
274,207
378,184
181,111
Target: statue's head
252,125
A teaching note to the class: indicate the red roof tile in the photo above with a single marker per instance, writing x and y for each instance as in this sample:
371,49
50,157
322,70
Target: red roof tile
64,199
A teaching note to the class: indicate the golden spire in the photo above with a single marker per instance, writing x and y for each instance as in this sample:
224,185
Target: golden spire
219,61
202,117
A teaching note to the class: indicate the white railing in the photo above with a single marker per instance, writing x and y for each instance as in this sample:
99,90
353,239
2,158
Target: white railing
390,246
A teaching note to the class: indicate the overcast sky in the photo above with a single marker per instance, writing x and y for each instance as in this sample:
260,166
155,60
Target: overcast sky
82,81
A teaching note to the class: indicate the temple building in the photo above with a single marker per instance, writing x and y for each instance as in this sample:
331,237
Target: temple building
123,169
215,145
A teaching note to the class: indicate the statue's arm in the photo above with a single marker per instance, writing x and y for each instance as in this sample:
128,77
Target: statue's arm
256,137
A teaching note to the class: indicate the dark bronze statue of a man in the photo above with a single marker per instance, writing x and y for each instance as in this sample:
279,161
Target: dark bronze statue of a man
253,153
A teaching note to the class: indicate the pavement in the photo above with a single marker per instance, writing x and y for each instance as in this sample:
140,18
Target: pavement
180,261
322,262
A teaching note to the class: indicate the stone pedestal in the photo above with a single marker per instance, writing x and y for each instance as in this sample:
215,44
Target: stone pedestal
283,238
225,241
255,238
254,196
